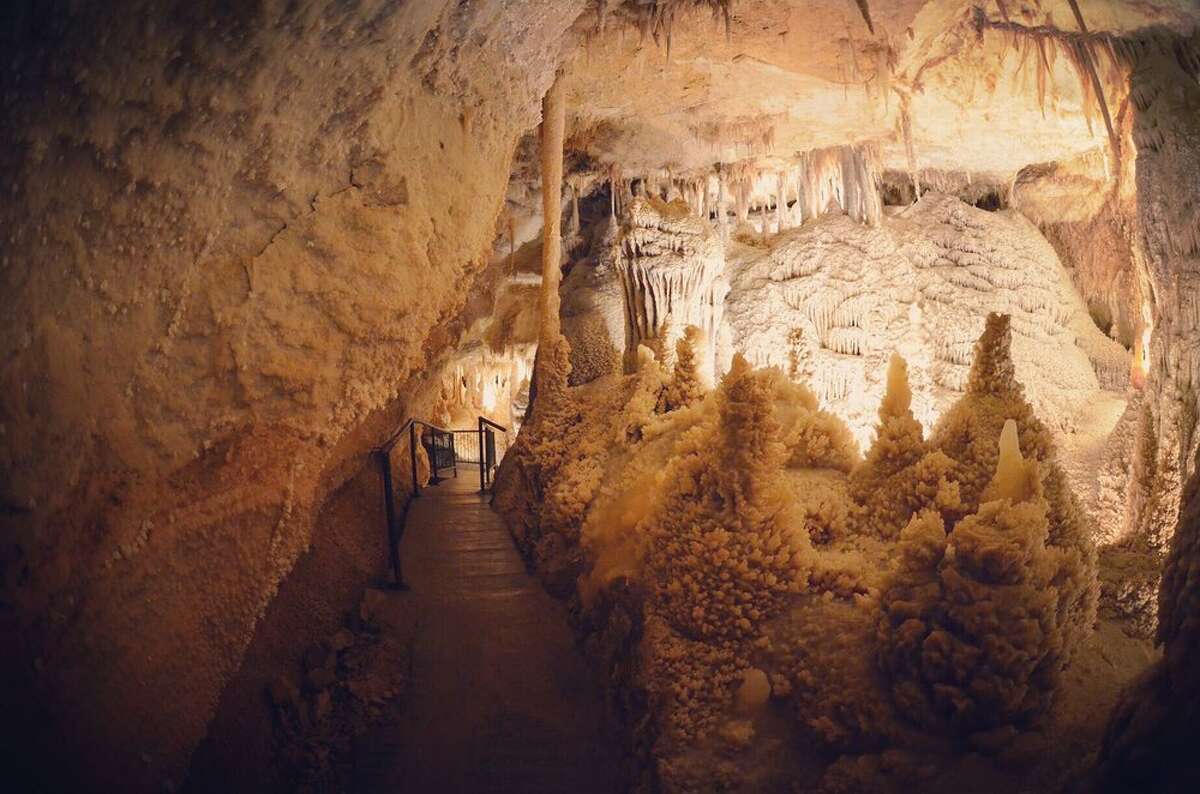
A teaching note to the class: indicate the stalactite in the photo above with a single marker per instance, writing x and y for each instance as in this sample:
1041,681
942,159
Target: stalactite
575,182
722,197
614,189
656,18
884,62
755,133
847,175
742,199
512,245
671,269
865,9
1042,73
1082,48
1085,58
780,201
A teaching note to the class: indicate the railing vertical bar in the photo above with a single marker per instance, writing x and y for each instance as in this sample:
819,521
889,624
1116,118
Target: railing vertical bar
412,455
389,505
479,438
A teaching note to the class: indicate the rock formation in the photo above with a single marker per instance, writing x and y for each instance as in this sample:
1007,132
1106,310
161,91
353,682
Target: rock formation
752,534
829,303
671,268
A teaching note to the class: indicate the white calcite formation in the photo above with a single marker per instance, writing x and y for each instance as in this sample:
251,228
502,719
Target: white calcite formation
672,270
829,302
658,272
773,193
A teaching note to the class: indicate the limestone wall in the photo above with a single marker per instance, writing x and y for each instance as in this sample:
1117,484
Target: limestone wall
232,232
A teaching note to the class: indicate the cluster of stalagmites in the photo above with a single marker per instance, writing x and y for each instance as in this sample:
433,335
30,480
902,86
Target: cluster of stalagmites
937,584
996,583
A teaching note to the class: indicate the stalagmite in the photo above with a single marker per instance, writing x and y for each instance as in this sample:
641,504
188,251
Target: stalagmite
1015,479
897,399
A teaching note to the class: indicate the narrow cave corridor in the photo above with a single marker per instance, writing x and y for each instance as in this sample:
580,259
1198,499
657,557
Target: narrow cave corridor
501,699
600,395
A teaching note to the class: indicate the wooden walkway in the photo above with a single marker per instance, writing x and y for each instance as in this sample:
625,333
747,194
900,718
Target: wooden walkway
500,699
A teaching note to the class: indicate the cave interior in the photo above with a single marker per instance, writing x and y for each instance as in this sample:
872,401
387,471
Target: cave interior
836,360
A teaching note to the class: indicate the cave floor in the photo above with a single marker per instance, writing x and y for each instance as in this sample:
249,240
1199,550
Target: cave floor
500,699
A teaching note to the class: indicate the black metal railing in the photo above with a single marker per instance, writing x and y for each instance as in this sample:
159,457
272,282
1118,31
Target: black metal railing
445,450
466,446
439,447
489,452
472,446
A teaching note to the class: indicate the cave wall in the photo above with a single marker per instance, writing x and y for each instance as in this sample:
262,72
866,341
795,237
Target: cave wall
1087,213
1150,741
1165,99
233,231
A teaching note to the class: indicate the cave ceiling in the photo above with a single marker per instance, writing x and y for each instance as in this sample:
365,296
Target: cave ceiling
793,75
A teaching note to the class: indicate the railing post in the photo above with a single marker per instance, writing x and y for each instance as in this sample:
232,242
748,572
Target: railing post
482,481
389,506
489,441
412,456
454,452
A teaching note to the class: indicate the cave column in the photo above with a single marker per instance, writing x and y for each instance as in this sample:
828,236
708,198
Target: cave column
780,202
553,124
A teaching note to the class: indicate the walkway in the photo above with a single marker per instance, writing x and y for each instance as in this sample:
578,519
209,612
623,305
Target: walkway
500,699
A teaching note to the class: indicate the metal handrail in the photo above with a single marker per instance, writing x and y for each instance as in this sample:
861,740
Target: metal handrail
487,453
487,450
383,451
395,437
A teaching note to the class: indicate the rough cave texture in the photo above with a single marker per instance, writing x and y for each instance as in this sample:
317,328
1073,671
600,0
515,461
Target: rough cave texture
241,242
1145,746
831,301
748,547
231,235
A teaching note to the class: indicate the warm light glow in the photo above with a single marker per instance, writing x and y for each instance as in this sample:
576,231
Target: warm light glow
489,395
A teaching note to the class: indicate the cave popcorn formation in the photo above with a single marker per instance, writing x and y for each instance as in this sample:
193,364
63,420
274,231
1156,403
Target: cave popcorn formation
748,518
